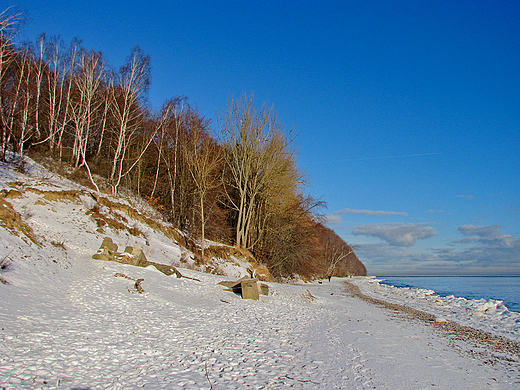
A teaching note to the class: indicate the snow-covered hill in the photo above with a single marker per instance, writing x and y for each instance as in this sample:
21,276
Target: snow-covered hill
58,221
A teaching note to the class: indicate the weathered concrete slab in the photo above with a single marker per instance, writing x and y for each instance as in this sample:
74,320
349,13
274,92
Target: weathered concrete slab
250,289
104,254
133,256
136,257
165,269
109,245
263,289
230,284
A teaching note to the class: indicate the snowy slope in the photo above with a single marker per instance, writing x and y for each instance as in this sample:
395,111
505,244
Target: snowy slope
68,321
70,221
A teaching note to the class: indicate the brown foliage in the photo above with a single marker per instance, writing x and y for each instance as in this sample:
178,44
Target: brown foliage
337,255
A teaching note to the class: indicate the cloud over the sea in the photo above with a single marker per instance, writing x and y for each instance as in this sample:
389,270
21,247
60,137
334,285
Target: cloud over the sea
488,236
397,234
481,250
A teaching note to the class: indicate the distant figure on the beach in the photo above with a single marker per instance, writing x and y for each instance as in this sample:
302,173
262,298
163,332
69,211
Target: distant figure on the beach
329,277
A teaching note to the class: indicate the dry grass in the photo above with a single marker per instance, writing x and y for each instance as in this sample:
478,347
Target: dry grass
306,294
103,220
11,194
214,269
137,216
13,222
70,195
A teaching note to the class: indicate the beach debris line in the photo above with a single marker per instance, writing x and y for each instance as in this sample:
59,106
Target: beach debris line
247,288
133,256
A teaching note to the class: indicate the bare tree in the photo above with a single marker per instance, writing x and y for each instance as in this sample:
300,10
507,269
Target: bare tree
87,82
256,157
163,122
171,133
128,114
12,92
23,105
65,91
9,23
177,117
55,107
38,79
204,159
289,243
335,253
338,257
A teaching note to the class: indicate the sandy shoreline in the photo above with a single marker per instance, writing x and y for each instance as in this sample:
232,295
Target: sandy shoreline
500,348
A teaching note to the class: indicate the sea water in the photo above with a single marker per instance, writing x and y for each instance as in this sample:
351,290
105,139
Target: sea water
501,288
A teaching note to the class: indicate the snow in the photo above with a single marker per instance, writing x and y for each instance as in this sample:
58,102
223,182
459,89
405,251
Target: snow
68,321
489,315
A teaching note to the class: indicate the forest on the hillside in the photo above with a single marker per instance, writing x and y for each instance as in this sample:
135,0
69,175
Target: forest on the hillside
238,183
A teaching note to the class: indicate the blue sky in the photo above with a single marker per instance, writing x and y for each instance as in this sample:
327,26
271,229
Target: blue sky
407,112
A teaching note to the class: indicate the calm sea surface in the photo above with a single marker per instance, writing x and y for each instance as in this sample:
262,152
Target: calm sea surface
502,288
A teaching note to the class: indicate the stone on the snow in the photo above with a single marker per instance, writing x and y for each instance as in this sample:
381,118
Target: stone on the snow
247,288
136,257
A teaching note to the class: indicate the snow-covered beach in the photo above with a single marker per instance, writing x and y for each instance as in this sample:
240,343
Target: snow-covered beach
68,321
85,328
487,315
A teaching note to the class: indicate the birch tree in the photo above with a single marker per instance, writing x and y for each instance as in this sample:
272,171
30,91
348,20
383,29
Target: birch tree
38,79
87,83
171,155
127,113
335,253
338,257
55,107
165,120
23,105
9,23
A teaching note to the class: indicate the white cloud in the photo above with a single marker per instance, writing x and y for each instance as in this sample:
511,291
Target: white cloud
397,234
486,251
488,236
331,219
370,212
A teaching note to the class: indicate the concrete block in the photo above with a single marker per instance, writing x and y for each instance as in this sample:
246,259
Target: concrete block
250,289
108,244
263,289
137,256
